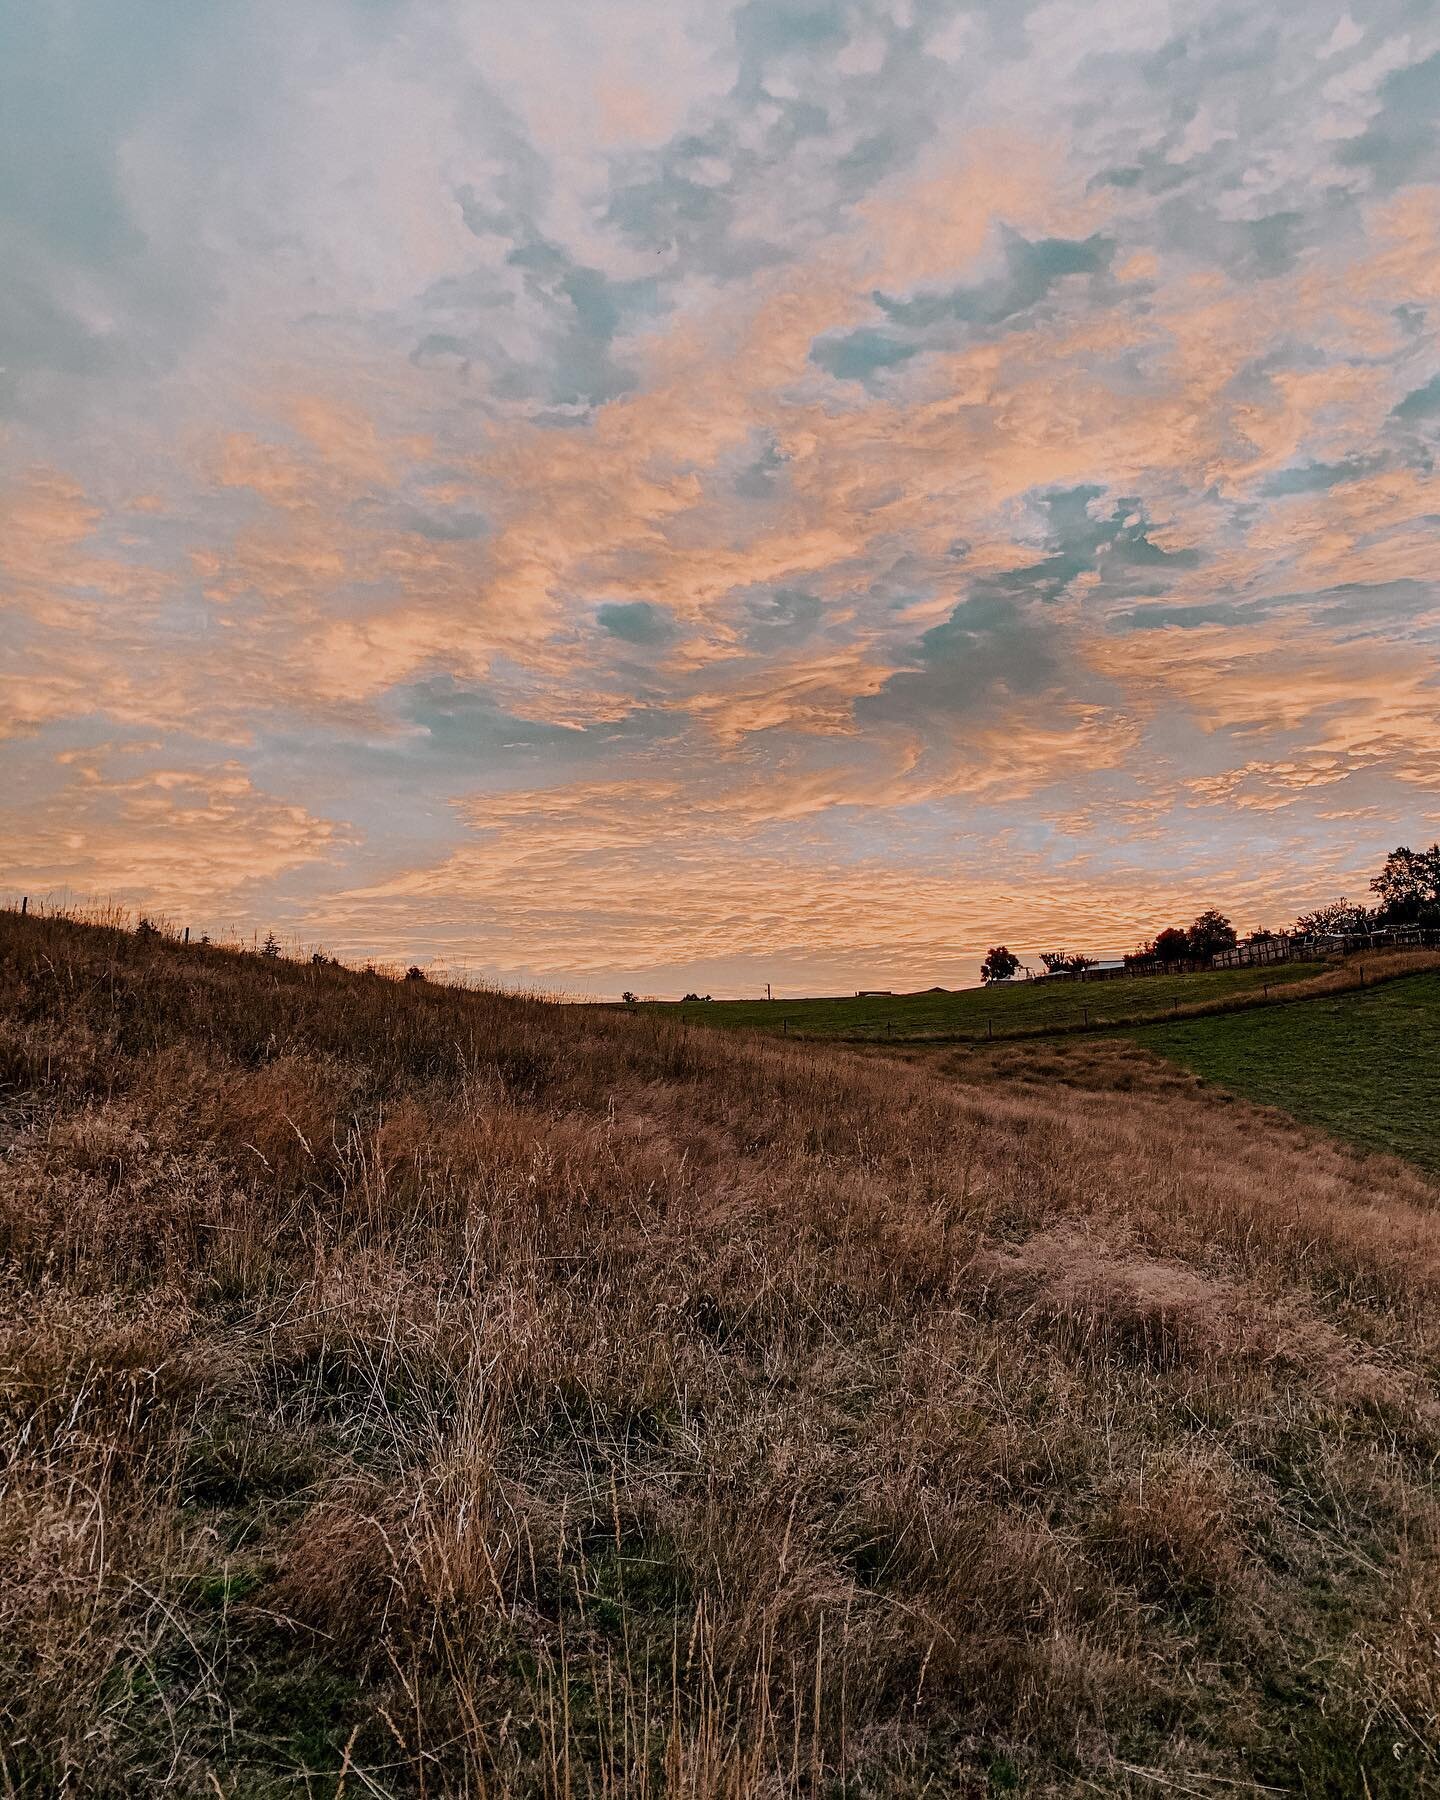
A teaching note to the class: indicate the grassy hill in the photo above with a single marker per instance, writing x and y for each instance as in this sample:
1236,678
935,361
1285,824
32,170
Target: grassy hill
1018,1009
408,1391
1365,1064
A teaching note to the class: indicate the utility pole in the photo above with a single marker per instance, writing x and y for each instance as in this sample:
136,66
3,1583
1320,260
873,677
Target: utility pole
768,994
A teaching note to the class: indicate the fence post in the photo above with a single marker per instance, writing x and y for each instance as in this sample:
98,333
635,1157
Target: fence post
989,1028
187,934
24,905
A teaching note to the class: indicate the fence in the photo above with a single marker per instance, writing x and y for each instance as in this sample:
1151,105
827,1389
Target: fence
1320,948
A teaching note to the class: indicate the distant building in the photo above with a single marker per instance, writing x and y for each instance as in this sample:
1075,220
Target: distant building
1101,969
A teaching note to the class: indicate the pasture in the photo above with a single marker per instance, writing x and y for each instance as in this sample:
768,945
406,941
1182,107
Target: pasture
1365,1064
1019,1008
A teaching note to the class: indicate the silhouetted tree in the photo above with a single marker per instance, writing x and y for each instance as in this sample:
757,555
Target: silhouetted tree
1171,945
1060,962
414,973
1409,885
1211,933
145,930
1339,918
999,964
271,946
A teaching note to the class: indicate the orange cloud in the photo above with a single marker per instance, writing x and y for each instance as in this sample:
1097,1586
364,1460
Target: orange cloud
172,838
549,863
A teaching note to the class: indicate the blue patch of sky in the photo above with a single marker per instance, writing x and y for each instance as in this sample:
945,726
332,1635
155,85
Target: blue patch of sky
639,622
1420,403
1319,478
1402,142
1032,272
861,355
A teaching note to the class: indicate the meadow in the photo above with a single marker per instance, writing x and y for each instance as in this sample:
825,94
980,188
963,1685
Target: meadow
419,1391
1365,1064
1011,1009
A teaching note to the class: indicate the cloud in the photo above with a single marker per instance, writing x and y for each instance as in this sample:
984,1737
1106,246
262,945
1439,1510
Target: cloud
119,825
724,431
582,860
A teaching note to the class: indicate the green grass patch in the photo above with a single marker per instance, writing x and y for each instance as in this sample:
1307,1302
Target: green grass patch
1364,1064
975,1014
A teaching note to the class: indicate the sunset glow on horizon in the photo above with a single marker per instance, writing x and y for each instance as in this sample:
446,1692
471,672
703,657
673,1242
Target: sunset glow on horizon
684,496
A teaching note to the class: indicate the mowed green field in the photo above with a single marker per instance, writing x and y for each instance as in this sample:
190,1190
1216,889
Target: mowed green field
976,1013
1366,1065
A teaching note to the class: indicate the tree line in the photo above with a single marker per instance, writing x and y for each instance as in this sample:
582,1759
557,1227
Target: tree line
1407,891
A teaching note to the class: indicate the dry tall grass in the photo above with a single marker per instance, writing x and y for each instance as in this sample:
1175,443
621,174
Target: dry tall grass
414,1391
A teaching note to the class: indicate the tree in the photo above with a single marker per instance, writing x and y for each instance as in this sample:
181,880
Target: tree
271,946
1211,933
414,973
628,997
1063,962
1171,945
999,964
1338,919
1409,883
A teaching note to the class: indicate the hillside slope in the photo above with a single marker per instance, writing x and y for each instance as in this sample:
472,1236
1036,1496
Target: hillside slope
410,1391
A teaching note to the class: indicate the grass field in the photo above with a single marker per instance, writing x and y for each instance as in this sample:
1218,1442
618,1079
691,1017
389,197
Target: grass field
1020,1009
416,1391
1365,1065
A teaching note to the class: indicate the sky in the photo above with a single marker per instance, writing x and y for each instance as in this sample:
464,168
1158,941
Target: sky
668,494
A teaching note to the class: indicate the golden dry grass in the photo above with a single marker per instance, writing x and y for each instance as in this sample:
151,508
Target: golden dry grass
416,1391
